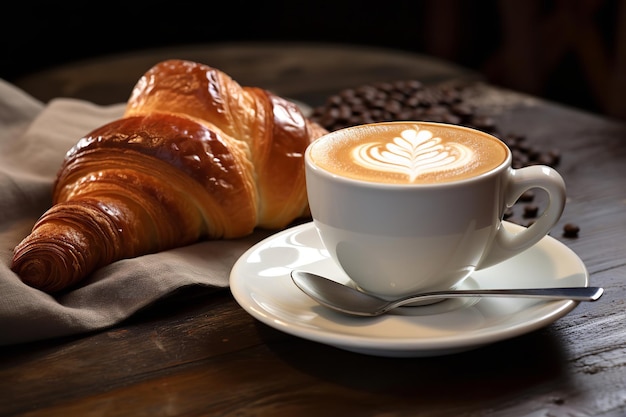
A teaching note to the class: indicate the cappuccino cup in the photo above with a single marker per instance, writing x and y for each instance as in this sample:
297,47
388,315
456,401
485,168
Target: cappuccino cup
411,206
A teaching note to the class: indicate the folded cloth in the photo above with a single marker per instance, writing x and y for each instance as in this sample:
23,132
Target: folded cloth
33,141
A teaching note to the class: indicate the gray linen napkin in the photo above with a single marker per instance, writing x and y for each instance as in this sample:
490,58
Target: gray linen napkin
33,141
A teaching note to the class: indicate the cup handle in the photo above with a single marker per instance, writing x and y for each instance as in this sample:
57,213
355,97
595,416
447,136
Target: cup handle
507,244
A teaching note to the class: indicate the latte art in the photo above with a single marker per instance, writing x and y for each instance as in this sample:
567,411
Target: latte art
415,152
408,153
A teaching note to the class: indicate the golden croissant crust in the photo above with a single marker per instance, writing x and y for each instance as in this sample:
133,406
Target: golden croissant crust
195,156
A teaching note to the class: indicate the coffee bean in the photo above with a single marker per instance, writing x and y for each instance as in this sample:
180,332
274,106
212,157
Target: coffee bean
570,230
530,211
464,111
555,156
393,106
333,101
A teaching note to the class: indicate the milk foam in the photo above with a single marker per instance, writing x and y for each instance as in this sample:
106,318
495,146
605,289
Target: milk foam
413,153
408,152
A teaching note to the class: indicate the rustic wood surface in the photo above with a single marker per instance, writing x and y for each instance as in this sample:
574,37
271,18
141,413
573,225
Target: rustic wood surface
199,353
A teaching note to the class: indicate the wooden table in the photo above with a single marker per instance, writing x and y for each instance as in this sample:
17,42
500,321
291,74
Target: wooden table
199,353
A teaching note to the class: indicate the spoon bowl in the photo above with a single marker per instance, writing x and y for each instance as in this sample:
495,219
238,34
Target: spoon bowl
348,300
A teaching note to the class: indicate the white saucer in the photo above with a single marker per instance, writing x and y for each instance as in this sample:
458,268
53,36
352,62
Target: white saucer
261,284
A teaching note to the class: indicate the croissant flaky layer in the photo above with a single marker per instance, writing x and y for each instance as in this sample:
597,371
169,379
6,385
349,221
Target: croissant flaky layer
195,156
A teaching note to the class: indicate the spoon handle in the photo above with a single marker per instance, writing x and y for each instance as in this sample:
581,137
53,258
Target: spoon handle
562,293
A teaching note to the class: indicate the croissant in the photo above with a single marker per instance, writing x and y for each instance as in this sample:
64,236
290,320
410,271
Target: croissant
194,156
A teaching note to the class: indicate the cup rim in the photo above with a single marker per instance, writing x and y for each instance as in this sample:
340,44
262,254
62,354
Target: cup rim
505,164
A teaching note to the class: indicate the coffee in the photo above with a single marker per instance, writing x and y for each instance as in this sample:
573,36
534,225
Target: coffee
415,153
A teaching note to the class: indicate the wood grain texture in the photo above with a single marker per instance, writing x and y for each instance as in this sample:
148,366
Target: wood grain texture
199,353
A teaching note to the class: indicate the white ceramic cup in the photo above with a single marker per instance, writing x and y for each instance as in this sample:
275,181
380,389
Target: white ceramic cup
434,214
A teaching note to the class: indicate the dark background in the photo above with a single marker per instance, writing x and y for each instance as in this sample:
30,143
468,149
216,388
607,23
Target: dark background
570,51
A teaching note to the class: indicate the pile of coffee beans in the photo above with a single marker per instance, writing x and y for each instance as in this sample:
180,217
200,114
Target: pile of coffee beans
400,100
446,103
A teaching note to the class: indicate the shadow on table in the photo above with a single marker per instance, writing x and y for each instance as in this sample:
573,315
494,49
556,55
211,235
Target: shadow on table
499,370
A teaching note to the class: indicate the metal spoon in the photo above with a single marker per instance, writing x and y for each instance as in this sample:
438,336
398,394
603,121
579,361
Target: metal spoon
348,300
